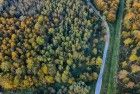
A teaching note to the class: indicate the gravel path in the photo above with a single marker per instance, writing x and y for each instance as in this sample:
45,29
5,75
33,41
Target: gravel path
107,42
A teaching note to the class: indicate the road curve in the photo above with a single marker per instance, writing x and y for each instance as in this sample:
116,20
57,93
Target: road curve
107,42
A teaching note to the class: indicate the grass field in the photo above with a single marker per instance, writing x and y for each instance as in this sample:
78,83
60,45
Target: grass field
110,76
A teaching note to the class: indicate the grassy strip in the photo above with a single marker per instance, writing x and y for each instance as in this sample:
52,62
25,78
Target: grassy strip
112,83
108,62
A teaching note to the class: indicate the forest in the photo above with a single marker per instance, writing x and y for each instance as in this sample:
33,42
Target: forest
70,46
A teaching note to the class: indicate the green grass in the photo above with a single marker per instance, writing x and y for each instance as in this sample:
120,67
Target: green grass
108,61
110,81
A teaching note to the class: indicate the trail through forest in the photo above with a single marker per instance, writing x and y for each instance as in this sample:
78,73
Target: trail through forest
107,42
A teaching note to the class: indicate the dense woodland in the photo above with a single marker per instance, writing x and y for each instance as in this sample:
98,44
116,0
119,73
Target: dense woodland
108,8
56,46
129,67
